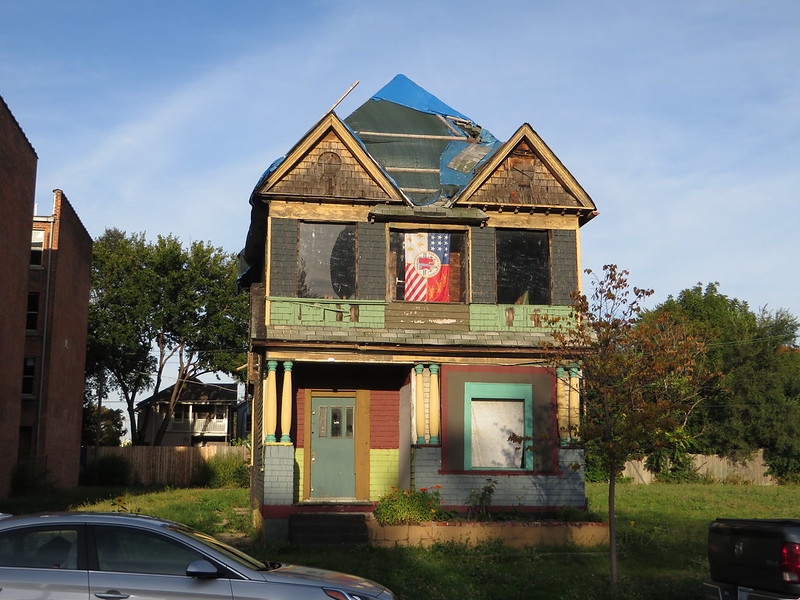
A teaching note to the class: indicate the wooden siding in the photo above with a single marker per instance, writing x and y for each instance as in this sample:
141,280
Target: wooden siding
484,265
523,179
283,258
385,419
329,169
371,261
563,266
432,315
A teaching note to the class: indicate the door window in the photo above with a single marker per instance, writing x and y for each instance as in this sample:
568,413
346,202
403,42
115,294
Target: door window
39,548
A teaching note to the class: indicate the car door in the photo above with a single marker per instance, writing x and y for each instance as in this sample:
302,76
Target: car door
141,564
43,562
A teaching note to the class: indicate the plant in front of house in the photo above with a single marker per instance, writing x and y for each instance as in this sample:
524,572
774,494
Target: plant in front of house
404,507
480,500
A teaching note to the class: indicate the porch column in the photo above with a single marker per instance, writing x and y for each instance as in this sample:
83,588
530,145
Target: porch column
574,402
562,407
286,402
270,403
420,404
434,405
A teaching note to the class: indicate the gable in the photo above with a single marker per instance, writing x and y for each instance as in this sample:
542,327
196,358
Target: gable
329,163
525,172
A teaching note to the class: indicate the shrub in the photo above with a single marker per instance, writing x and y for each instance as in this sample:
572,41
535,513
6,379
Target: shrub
112,470
480,500
403,507
222,471
29,478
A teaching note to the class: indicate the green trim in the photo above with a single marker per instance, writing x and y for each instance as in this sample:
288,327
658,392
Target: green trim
524,317
321,300
500,391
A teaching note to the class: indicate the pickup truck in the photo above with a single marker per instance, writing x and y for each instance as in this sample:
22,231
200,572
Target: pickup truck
753,559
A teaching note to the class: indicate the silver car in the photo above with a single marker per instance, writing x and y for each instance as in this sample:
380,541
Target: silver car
113,556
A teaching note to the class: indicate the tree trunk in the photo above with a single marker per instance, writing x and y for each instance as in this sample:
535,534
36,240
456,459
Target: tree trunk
612,524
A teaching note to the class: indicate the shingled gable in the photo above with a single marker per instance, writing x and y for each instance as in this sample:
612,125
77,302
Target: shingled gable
524,172
330,162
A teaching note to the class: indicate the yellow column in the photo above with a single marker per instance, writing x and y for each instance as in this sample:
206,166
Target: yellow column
434,404
420,404
286,402
574,403
270,403
562,404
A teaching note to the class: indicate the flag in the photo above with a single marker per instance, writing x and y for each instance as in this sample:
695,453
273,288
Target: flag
427,271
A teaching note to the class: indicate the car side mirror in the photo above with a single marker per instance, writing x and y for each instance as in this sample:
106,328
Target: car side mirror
202,569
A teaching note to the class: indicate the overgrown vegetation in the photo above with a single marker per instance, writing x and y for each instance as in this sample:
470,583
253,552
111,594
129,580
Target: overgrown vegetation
402,507
222,471
112,470
662,542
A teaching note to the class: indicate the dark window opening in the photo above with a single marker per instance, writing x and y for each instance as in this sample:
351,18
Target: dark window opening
523,267
427,266
326,261
37,247
28,375
32,319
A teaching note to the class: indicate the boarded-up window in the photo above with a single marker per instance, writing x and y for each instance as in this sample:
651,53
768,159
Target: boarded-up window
326,261
523,267
492,412
428,266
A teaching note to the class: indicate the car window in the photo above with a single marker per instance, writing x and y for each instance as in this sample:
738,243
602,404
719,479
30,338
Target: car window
128,550
45,548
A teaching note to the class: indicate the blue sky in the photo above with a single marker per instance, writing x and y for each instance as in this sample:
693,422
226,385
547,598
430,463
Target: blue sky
681,119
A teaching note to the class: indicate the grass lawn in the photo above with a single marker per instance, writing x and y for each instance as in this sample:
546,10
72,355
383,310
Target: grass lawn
662,535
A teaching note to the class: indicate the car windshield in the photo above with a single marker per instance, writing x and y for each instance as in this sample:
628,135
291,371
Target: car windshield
229,551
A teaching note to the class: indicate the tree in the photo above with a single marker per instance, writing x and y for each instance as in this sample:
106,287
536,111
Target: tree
641,379
111,424
753,401
156,303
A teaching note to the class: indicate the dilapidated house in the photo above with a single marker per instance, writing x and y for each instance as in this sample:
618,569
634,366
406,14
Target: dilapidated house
403,267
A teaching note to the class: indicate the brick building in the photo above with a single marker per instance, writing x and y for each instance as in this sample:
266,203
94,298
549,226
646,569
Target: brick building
45,271
403,266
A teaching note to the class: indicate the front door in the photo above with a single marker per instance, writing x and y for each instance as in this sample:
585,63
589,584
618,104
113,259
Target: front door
333,429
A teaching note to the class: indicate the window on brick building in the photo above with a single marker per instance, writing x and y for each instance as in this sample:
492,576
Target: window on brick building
37,247
28,375
523,267
32,319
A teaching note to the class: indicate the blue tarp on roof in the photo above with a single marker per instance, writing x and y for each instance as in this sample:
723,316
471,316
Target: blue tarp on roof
401,90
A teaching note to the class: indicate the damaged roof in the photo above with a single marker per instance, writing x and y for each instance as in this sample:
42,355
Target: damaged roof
428,148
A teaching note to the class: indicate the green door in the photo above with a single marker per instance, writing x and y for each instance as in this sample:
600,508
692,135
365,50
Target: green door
333,447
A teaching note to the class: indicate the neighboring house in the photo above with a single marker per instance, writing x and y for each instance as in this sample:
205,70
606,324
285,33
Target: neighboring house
403,266
204,415
44,302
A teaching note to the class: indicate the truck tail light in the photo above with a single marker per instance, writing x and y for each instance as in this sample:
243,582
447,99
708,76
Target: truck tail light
790,562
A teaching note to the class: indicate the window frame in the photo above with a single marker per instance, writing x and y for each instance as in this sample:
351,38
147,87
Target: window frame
548,270
477,391
459,269
299,268
37,248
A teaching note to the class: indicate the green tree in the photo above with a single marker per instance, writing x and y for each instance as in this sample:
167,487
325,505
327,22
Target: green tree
753,401
157,304
118,355
111,426
641,379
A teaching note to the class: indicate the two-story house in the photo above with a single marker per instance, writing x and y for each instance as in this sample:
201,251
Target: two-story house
404,266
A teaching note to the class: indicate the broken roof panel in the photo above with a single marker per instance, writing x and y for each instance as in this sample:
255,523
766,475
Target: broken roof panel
427,147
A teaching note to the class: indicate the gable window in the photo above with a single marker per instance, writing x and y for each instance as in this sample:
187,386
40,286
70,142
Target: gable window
493,411
523,267
326,261
37,247
427,266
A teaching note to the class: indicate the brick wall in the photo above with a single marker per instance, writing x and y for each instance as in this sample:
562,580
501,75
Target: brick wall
552,491
384,419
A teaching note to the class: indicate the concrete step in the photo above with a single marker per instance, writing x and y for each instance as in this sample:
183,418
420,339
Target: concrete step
328,528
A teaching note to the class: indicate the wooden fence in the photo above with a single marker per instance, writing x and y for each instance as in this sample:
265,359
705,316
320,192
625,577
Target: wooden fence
714,467
167,465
